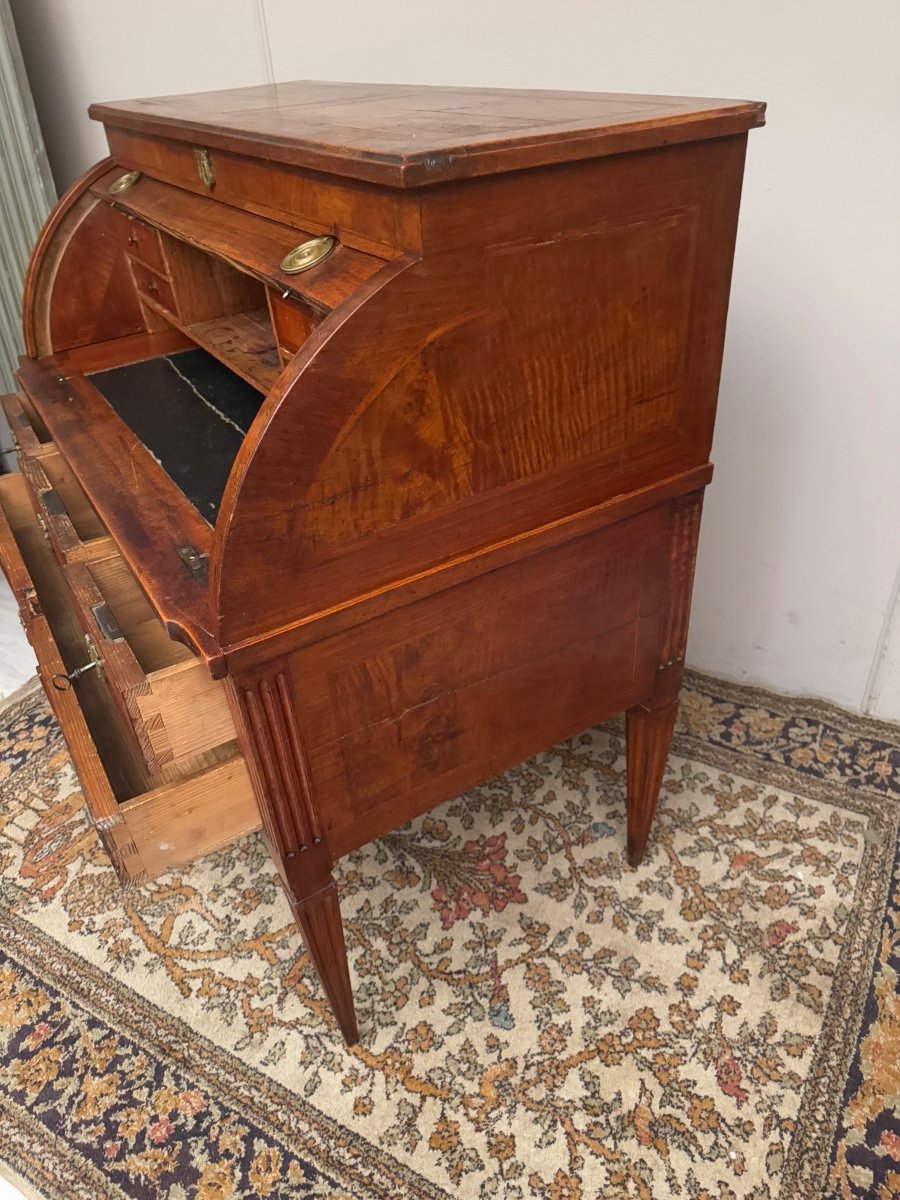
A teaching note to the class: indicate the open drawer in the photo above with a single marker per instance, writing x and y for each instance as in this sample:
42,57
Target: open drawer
63,511
176,711
162,690
61,507
28,433
148,826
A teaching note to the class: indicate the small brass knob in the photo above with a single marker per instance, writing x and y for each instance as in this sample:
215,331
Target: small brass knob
307,254
123,183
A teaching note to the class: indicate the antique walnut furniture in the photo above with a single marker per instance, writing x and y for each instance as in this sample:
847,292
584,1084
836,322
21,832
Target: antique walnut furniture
363,434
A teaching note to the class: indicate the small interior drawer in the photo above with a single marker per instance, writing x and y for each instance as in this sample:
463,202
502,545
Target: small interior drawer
154,288
144,243
149,823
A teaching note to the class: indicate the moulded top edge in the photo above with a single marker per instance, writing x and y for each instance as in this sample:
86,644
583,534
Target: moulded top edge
411,136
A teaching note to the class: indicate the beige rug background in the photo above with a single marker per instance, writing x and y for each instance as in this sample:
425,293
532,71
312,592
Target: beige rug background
536,1019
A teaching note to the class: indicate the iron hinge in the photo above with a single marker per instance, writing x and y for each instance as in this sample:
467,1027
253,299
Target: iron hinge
194,562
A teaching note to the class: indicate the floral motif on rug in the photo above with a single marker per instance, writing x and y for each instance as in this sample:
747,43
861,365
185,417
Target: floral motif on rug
538,1021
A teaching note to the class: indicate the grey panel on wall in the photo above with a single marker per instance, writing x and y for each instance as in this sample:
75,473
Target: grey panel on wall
26,191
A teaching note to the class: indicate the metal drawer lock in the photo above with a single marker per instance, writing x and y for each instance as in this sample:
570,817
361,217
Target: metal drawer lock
63,682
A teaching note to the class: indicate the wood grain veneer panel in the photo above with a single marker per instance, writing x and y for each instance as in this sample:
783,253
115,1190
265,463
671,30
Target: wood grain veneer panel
411,708
93,297
568,357
245,342
579,351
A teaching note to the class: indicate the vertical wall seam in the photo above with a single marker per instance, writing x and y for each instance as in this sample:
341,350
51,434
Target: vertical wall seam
266,42
872,691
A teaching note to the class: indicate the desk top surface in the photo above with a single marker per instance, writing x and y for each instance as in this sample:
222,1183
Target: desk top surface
410,135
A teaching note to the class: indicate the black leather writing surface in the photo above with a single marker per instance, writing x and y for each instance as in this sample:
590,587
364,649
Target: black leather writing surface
190,412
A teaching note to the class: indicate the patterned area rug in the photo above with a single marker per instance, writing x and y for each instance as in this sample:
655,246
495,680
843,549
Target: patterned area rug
538,1021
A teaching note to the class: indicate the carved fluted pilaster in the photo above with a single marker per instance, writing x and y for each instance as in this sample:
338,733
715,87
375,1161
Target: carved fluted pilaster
682,560
289,814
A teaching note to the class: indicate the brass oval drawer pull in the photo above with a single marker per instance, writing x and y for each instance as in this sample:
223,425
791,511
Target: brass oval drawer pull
307,254
123,183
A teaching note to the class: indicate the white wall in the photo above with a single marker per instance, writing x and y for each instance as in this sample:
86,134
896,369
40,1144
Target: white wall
801,535
79,51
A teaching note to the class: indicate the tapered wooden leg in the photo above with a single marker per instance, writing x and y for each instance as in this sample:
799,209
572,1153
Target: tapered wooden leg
276,760
649,726
319,918
648,736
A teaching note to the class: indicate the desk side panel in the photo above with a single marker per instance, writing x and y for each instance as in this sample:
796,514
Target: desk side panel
567,354
395,716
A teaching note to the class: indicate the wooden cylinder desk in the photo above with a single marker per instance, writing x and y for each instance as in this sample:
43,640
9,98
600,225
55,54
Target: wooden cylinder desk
363,432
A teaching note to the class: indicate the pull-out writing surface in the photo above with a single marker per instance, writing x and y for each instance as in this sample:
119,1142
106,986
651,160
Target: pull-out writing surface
190,412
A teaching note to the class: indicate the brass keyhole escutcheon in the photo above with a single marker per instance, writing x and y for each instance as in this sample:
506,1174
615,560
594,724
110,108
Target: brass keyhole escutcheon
203,160
123,183
307,254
